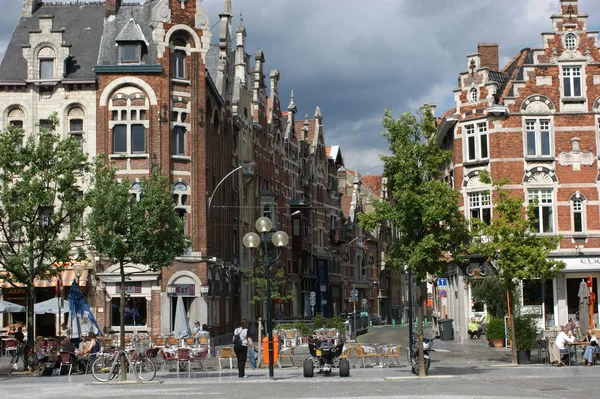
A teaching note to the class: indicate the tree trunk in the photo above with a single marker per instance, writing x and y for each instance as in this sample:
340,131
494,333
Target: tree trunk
30,315
511,321
122,323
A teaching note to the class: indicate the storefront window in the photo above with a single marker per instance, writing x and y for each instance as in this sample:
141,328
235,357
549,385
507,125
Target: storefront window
135,311
532,293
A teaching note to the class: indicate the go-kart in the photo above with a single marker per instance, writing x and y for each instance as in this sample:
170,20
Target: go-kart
325,347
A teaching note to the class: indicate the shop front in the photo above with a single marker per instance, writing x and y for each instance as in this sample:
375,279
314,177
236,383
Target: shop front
188,286
140,306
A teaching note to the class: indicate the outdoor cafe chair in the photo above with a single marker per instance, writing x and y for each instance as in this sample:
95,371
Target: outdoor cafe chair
390,355
286,353
67,359
362,354
226,352
168,357
184,356
199,356
10,345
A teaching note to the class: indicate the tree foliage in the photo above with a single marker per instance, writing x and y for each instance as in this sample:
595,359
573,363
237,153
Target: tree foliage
124,230
256,277
41,205
424,208
511,243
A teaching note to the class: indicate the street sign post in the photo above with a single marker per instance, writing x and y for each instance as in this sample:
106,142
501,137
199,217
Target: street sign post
354,298
313,301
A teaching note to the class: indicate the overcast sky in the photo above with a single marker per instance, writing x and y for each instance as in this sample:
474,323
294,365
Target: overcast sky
354,58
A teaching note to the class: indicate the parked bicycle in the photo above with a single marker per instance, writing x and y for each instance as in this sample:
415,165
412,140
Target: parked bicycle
107,365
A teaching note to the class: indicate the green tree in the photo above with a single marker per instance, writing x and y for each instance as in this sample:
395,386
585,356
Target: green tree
124,230
424,208
256,277
40,205
491,291
511,244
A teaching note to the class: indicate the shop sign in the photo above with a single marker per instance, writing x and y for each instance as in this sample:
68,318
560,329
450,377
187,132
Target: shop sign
131,288
184,289
14,293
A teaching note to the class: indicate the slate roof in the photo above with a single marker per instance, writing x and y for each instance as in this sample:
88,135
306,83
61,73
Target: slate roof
109,54
212,61
131,33
83,24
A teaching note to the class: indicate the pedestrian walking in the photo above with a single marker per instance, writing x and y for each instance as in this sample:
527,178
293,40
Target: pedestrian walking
241,343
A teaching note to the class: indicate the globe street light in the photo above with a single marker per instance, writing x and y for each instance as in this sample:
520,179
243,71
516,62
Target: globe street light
252,240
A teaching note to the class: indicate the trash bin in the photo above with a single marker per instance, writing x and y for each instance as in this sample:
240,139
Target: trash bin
265,349
446,329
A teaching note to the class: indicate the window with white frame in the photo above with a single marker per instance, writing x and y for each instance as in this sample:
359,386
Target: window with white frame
544,208
129,122
181,196
572,81
477,142
480,206
135,192
578,213
538,137
570,41
473,95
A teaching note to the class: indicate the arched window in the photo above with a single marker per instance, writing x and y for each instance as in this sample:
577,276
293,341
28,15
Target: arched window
46,57
129,121
75,118
578,212
473,95
179,48
570,41
16,118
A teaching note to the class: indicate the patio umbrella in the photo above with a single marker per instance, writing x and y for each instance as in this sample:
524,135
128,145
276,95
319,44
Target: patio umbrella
82,320
9,307
584,307
51,306
182,327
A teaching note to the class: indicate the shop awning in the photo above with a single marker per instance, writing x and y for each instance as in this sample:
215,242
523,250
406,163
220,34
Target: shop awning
67,277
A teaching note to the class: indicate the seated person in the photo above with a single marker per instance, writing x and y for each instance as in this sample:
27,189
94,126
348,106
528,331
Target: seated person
67,346
591,348
474,329
566,335
90,346
40,350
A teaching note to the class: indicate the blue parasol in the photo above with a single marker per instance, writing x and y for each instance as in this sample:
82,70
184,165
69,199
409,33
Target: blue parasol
82,319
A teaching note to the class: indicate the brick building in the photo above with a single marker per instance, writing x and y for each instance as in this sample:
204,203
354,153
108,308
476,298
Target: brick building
536,122
145,86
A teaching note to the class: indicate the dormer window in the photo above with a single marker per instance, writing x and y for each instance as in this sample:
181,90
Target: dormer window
570,41
129,53
46,58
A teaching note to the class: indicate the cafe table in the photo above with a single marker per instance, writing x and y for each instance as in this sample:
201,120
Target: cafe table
575,344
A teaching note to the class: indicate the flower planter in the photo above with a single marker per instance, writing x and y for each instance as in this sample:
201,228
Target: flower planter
496,342
523,357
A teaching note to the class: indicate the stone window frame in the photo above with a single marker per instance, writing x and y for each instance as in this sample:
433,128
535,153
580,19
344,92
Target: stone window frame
477,131
473,95
46,53
578,207
570,41
537,131
181,198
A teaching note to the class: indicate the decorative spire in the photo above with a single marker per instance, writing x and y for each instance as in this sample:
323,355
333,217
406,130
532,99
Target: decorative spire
227,8
292,106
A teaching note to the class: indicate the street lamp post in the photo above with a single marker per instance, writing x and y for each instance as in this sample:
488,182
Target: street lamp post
246,165
252,240
354,298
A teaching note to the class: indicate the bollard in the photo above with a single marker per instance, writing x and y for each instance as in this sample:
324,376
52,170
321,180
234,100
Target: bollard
370,323
393,323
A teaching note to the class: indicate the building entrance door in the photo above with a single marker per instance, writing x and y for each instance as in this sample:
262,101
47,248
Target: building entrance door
573,299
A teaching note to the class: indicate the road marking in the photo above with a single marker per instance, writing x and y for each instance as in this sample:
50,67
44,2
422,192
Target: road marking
440,350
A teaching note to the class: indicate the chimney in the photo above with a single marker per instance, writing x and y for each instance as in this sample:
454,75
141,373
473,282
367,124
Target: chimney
112,7
489,55
29,7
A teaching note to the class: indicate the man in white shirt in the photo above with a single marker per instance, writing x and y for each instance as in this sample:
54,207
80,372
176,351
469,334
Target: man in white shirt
566,335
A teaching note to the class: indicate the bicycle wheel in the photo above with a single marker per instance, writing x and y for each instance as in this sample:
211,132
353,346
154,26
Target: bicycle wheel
101,368
145,369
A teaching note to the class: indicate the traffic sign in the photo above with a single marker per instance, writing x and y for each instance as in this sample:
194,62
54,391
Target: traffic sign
442,282
313,302
313,294
443,294
323,301
364,301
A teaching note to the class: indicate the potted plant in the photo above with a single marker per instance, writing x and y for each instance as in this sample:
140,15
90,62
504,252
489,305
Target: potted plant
494,332
525,335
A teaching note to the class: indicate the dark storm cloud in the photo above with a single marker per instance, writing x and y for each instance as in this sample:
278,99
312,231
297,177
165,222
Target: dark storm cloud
354,58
